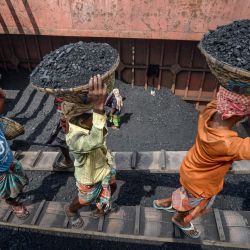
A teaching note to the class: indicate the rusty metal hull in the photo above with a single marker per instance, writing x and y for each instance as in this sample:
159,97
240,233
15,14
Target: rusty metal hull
147,19
181,66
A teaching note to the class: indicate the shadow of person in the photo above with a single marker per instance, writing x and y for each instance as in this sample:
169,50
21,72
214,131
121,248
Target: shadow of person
49,187
245,125
246,204
240,191
125,118
140,188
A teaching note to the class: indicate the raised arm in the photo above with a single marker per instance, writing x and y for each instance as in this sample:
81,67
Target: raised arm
239,148
95,138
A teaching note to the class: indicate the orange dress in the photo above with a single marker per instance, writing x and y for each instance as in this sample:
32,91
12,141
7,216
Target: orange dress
206,163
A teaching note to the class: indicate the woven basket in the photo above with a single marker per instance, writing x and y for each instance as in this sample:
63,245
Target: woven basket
12,128
225,72
74,95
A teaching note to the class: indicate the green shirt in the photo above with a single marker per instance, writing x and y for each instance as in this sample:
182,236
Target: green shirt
92,159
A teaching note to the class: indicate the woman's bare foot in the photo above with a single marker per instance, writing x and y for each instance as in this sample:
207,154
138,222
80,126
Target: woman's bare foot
74,218
164,202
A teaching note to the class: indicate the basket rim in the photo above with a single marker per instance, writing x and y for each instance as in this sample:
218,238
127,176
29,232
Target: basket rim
222,64
81,87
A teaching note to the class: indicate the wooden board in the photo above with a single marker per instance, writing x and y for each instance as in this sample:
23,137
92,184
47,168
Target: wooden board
153,162
133,223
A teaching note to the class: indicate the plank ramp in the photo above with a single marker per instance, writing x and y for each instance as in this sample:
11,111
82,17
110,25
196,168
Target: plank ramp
153,161
134,224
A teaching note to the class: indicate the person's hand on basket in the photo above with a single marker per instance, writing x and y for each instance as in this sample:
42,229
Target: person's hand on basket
97,93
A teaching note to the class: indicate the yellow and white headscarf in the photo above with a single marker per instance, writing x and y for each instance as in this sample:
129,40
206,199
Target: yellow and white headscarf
118,98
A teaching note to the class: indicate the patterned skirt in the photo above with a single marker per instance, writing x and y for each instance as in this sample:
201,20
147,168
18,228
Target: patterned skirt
100,192
13,181
183,201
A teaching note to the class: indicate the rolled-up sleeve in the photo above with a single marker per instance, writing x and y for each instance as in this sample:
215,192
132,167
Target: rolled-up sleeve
80,142
99,121
239,148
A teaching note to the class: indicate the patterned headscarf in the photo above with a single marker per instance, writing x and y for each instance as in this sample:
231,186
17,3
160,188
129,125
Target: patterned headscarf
71,110
230,104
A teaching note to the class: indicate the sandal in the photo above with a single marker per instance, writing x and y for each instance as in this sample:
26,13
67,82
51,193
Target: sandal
60,165
190,231
75,219
21,214
169,209
18,155
96,214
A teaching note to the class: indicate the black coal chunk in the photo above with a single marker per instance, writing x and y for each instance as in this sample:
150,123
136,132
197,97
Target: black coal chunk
72,65
230,44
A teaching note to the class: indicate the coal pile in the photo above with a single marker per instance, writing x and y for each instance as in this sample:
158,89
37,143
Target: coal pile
230,44
152,123
72,65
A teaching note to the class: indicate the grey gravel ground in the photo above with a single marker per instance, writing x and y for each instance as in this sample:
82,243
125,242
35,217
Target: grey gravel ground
138,188
151,123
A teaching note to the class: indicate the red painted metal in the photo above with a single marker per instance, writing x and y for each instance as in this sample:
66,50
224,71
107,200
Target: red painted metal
181,66
145,19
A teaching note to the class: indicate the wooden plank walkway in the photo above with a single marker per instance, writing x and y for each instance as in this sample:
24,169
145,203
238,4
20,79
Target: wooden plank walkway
153,162
134,224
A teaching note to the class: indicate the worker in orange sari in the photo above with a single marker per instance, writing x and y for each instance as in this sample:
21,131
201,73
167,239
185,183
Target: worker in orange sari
203,169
